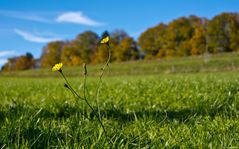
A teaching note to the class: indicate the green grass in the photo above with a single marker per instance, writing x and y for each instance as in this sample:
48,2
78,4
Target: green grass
189,110
169,103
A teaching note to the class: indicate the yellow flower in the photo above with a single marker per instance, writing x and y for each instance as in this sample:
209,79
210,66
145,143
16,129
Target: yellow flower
57,67
105,40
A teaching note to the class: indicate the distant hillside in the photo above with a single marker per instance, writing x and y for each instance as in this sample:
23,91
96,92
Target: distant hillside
193,64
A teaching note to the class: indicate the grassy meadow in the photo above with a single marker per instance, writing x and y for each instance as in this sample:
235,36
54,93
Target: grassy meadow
171,103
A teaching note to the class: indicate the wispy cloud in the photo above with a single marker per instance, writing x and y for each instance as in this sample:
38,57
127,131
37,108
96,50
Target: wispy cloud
31,16
35,18
35,38
7,53
52,17
77,18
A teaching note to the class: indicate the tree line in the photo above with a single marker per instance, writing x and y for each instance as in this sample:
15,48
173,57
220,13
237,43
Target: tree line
184,36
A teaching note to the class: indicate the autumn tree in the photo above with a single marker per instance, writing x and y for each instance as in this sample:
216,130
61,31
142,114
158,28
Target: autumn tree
102,52
126,50
153,40
199,39
70,54
20,63
223,32
181,37
10,64
86,43
25,62
51,53
179,33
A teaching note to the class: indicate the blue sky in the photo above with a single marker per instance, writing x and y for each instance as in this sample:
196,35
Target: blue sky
27,25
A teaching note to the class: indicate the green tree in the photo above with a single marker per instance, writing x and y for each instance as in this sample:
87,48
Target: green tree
117,36
152,41
223,32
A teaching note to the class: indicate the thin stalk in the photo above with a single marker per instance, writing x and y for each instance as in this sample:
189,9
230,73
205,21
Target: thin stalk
70,86
73,91
100,80
98,116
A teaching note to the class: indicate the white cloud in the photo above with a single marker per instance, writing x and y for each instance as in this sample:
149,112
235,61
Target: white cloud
34,38
34,18
31,16
77,18
7,53
46,17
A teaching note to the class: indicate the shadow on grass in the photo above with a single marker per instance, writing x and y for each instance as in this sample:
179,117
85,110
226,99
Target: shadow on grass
223,108
25,119
157,115
21,110
62,111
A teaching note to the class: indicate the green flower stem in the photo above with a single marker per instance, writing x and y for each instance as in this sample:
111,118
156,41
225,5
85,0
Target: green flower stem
73,91
70,86
100,81
98,116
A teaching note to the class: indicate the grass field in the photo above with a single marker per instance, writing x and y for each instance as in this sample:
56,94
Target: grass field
160,107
